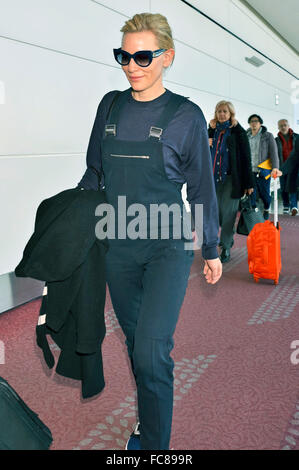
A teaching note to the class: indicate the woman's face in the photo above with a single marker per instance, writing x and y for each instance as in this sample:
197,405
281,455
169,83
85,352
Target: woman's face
223,114
145,79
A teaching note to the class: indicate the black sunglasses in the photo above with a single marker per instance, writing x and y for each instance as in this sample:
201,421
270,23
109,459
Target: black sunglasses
142,58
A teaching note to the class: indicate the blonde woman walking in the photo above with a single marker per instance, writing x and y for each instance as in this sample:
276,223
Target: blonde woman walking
147,142
232,172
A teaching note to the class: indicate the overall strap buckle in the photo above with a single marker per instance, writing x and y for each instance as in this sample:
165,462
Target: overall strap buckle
155,132
110,129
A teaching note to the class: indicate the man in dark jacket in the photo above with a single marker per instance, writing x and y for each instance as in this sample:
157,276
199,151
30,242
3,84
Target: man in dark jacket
263,148
65,252
285,141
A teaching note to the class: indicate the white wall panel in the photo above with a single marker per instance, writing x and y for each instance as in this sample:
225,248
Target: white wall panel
216,9
250,90
194,69
193,29
268,72
251,29
51,99
24,183
129,8
233,15
81,27
285,106
260,97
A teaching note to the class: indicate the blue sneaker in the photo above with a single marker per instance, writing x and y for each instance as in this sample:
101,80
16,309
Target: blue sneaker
134,440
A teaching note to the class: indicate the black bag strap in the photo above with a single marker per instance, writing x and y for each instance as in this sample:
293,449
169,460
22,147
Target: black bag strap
114,110
170,109
98,173
95,170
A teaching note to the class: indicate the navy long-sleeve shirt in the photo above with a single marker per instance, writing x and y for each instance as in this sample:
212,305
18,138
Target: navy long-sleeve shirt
186,153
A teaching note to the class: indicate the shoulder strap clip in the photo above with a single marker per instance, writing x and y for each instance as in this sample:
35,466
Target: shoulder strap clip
155,132
110,129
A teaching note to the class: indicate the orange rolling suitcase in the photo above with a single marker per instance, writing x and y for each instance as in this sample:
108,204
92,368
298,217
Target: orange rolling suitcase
263,245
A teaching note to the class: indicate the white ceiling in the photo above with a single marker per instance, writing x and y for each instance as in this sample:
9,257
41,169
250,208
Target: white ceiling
283,16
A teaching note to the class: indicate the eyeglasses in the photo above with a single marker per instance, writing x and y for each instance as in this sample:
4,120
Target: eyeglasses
254,120
142,58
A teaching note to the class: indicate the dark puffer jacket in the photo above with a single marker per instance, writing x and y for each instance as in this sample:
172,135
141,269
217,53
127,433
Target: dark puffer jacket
292,169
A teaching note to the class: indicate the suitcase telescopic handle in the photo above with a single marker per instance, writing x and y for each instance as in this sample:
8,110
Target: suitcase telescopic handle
275,201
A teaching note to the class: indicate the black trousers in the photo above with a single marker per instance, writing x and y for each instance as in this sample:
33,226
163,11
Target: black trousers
228,208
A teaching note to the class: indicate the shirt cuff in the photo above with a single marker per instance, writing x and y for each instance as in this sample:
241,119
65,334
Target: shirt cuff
209,252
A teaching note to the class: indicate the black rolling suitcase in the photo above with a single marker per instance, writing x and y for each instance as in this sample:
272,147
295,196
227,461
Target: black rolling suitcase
20,427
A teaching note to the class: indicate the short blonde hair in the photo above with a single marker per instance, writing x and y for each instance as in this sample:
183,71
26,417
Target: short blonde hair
231,109
153,22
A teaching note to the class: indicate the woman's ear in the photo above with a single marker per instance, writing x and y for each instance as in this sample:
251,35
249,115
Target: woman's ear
168,57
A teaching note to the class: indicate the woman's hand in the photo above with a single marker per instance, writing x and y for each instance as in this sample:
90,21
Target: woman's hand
212,270
248,191
194,239
276,172
234,122
211,142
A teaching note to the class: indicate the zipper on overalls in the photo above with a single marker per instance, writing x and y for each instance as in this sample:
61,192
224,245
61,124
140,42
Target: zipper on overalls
130,156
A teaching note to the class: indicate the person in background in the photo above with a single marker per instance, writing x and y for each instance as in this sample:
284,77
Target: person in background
231,164
285,141
293,173
262,147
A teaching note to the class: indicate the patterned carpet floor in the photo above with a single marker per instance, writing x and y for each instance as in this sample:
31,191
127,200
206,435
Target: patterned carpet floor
235,384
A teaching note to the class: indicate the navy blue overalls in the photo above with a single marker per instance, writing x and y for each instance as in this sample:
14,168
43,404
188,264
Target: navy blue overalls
147,278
